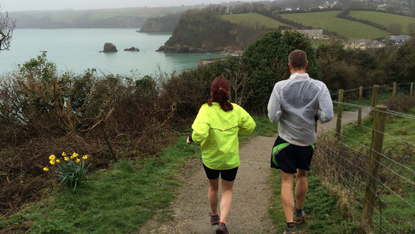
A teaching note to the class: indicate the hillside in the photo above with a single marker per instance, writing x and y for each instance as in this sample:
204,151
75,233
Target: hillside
104,18
161,24
328,20
406,23
203,31
253,19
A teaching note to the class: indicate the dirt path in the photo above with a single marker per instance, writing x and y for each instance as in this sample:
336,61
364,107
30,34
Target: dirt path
251,193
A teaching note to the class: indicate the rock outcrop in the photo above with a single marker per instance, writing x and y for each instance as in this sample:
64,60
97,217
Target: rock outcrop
132,49
109,47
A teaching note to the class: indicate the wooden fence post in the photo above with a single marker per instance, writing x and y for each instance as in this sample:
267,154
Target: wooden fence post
375,92
359,116
373,165
394,91
339,114
412,86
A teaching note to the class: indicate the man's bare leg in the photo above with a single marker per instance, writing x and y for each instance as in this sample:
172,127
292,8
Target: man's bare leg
287,195
301,188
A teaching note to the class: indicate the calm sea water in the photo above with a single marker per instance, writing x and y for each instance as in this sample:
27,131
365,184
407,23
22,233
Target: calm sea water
78,49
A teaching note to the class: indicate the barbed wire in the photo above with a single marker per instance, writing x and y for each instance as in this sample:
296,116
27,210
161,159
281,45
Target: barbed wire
403,177
365,183
362,194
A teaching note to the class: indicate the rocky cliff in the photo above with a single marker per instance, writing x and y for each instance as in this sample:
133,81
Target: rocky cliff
203,31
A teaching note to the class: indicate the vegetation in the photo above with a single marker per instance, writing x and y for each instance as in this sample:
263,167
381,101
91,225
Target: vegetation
407,23
119,199
328,21
253,19
7,26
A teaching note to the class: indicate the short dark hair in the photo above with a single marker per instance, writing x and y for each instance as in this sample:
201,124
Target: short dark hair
298,59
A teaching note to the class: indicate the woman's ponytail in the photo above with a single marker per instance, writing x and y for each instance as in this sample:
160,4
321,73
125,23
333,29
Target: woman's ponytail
220,93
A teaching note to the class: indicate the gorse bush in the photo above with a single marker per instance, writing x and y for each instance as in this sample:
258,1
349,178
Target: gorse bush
70,171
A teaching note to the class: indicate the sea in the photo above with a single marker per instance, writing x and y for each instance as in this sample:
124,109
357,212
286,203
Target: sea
77,50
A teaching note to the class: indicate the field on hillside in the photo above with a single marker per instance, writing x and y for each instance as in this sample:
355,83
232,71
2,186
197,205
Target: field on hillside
328,20
384,18
252,19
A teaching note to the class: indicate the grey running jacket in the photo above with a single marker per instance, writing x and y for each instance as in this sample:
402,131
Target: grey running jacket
295,103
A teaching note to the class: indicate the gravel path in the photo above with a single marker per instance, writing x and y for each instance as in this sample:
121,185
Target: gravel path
251,193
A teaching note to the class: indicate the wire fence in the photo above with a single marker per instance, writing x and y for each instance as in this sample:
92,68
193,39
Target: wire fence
349,158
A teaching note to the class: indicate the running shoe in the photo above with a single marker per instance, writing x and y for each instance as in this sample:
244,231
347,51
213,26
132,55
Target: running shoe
290,231
222,229
299,217
214,219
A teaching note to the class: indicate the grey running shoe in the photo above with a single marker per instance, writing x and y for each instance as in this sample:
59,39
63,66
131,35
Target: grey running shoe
299,217
290,231
214,219
222,229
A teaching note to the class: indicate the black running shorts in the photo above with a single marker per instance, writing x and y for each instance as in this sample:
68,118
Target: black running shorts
228,175
289,158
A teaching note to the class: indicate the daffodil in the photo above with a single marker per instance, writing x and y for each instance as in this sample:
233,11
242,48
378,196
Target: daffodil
85,157
64,154
52,162
52,157
46,169
66,158
78,160
58,161
74,155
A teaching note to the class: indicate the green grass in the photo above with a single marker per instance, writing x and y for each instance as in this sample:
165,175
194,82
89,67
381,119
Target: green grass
251,19
384,18
121,199
328,20
323,216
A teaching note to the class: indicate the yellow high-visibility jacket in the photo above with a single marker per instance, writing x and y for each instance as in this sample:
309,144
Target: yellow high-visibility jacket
217,132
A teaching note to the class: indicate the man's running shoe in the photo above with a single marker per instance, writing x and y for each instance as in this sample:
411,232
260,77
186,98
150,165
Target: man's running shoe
290,231
222,229
214,219
299,217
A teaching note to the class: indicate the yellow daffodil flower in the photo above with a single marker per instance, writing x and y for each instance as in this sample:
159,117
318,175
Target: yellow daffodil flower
78,160
66,158
85,157
52,162
64,154
52,157
58,161
74,155
46,169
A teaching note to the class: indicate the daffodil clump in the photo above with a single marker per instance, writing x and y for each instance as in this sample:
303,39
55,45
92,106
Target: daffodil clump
70,170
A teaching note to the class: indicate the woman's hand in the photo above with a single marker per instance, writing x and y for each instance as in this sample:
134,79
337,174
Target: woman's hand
188,141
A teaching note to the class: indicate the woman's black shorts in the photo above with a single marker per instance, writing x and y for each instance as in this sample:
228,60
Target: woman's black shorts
288,157
228,175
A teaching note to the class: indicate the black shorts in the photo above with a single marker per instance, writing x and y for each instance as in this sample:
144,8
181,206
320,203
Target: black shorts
228,175
289,158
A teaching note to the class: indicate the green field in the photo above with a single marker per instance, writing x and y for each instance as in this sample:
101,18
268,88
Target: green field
328,20
252,19
384,18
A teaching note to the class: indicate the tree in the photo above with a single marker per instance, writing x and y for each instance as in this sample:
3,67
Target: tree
7,26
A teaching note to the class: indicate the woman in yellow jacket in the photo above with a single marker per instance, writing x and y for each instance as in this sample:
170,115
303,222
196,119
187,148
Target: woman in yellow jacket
216,128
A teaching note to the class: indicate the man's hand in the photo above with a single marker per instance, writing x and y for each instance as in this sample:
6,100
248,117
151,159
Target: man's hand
188,141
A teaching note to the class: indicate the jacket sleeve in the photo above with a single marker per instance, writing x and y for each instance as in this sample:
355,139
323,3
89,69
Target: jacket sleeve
248,124
274,106
201,126
325,114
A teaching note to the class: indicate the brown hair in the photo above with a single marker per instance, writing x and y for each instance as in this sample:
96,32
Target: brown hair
220,89
298,59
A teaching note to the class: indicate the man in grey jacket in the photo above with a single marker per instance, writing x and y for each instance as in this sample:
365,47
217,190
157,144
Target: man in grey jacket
296,103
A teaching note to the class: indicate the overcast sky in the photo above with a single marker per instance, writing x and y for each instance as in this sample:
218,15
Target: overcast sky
26,5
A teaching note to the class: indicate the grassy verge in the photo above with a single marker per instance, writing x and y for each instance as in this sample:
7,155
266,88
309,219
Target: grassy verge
323,215
119,200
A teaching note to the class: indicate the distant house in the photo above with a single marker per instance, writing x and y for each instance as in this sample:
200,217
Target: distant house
316,34
398,40
288,9
363,44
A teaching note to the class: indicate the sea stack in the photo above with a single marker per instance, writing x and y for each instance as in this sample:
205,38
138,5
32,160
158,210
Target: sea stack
109,47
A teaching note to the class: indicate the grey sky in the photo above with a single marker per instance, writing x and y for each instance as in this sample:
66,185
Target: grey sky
26,5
